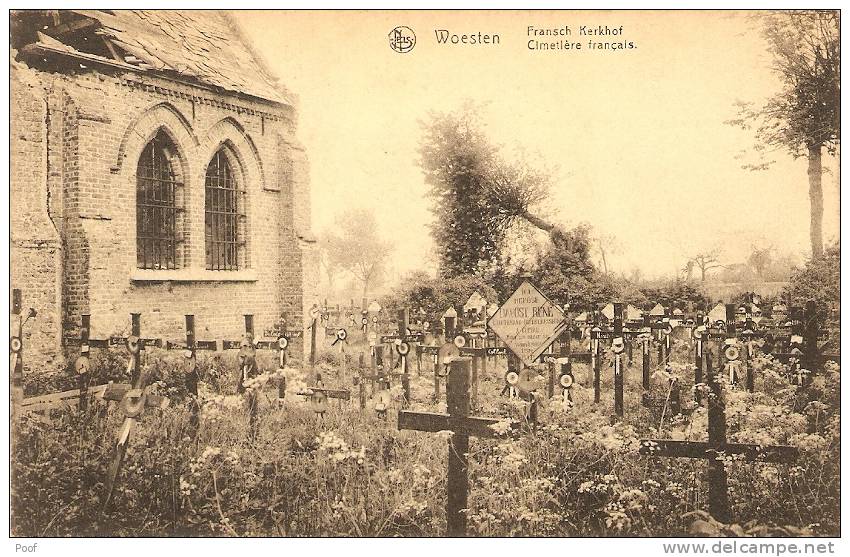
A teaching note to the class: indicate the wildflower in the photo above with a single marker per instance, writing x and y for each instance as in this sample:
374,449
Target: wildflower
585,486
209,454
616,517
769,474
338,450
186,487
808,442
501,427
633,499
650,483
511,455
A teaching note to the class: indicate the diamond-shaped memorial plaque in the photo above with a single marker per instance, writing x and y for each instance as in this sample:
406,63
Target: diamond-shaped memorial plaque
718,313
528,323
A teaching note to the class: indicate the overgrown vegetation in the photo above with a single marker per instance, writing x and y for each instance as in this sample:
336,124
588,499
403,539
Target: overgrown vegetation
353,474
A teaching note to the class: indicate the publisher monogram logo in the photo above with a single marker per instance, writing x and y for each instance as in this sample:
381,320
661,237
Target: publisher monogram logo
402,39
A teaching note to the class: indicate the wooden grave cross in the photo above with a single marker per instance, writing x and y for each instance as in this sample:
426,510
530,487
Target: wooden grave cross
477,348
564,351
617,347
318,398
716,449
16,348
596,362
358,380
341,338
248,370
463,426
315,313
803,355
133,400
375,375
318,395
563,365
282,355
438,370
379,376
731,350
696,333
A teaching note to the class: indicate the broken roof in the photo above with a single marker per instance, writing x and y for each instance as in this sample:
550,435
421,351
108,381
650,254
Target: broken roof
196,45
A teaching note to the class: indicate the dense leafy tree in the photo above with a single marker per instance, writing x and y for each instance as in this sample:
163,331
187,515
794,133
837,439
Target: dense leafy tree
819,280
479,197
566,274
476,194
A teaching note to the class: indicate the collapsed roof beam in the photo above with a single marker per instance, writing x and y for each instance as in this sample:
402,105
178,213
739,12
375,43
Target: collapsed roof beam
73,26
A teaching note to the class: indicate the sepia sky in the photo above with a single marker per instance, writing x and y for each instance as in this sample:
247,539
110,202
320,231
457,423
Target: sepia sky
637,135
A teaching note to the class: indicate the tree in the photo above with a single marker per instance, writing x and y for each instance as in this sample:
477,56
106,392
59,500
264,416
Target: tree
803,118
760,260
477,195
419,290
353,244
606,244
704,261
819,280
676,292
566,274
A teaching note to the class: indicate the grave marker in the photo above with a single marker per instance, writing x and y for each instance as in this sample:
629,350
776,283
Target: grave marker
192,376
133,399
314,320
82,366
716,449
617,347
458,421
527,322
16,350
282,348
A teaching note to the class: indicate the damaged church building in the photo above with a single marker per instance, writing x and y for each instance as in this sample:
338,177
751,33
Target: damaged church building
154,170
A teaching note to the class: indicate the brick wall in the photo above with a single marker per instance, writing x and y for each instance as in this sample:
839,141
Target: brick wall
98,123
35,240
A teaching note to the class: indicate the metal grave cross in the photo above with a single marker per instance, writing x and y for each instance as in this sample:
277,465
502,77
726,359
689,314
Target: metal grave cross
463,426
717,449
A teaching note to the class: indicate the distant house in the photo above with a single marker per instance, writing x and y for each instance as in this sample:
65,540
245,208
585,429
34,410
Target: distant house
154,170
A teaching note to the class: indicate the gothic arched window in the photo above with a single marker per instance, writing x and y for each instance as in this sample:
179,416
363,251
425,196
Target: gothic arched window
221,214
156,205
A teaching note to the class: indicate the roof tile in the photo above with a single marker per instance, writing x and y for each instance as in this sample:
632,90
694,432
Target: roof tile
204,45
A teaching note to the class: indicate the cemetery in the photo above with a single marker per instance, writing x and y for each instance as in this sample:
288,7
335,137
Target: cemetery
465,425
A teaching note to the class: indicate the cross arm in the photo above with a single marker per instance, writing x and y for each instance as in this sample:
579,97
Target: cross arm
580,357
701,449
199,345
330,393
432,422
116,392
